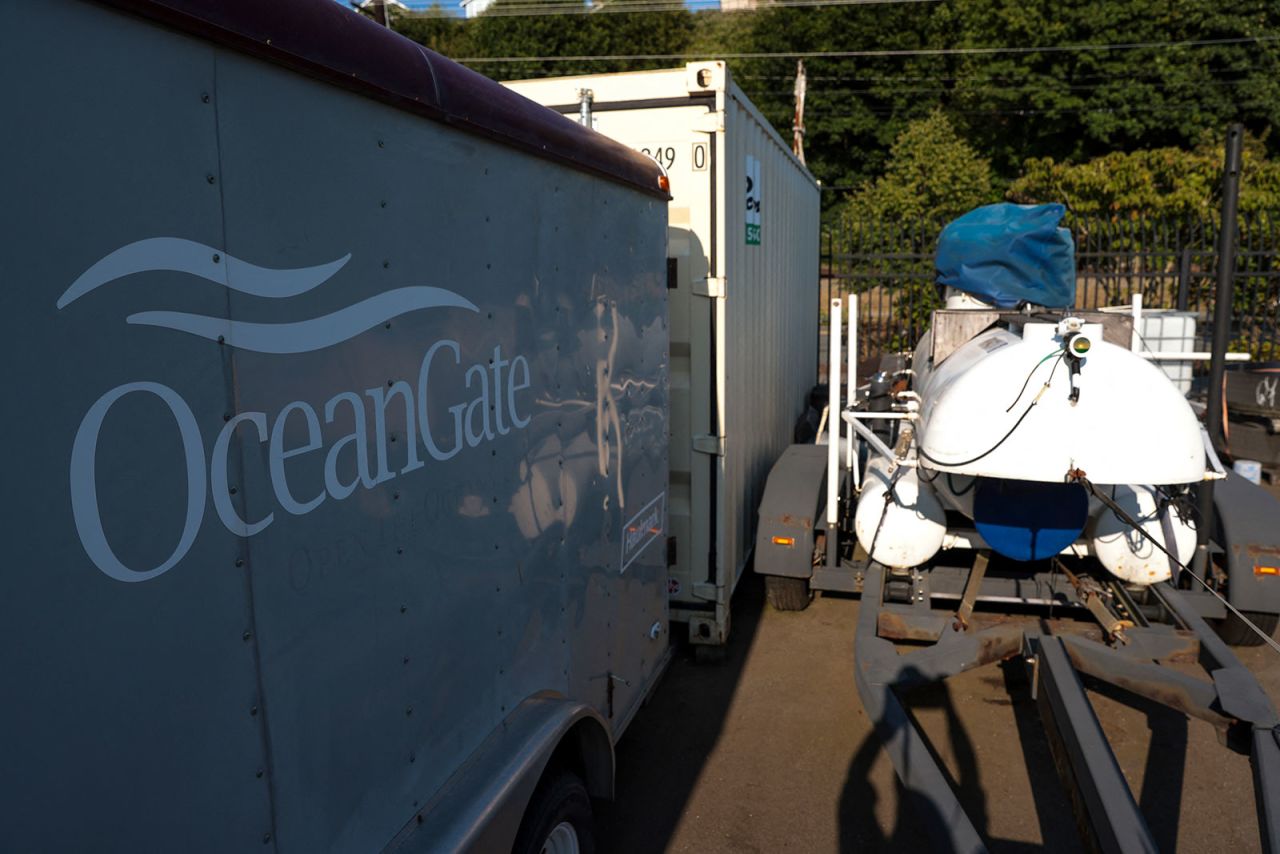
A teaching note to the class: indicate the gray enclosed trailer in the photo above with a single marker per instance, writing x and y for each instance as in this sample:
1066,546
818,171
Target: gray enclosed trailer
343,462
744,305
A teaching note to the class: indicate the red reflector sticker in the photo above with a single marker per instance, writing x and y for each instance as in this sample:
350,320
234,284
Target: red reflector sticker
1266,570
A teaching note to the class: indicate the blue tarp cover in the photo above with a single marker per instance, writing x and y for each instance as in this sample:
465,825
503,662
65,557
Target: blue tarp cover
1010,254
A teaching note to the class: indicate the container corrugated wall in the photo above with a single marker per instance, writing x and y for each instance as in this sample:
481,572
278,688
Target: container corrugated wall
770,306
743,306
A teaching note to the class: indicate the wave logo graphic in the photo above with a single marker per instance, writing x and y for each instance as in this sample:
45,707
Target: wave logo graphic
348,442
174,254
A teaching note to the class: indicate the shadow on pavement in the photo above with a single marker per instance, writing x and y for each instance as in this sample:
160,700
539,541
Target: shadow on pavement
1162,778
860,830
662,754
1053,807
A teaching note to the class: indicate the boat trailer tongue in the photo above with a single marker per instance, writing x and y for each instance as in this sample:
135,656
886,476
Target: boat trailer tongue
1123,655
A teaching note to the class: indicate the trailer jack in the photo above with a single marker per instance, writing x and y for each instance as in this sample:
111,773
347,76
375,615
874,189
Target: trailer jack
1106,810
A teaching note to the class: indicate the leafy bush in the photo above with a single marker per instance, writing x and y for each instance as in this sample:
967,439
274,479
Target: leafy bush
932,174
1154,182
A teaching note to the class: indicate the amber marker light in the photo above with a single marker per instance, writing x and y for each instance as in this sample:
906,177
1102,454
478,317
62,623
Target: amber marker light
784,541
1257,570
664,183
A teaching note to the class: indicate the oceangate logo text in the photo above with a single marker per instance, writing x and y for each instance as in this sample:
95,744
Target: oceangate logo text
490,408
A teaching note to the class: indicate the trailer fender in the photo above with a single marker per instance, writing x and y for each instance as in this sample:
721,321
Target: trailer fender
1249,532
479,809
789,511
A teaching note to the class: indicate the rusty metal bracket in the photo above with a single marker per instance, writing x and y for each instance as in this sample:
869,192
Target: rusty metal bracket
1092,594
971,588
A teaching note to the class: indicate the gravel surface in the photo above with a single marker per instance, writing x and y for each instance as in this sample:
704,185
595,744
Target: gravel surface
770,751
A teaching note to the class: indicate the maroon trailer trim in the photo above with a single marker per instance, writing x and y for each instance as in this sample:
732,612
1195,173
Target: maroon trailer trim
325,40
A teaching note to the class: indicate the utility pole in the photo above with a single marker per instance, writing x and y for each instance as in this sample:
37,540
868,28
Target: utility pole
797,125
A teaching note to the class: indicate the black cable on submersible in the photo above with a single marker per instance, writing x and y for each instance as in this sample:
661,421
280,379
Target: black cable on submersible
1124,516
1006,436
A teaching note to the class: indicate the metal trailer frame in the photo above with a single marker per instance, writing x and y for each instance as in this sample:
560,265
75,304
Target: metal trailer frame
1232,701
814,510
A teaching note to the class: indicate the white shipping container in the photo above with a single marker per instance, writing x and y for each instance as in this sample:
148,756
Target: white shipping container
743,279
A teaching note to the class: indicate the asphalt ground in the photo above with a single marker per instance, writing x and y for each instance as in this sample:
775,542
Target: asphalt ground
770,750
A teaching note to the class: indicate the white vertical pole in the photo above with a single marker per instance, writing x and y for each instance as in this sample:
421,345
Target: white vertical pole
852,306
834,421
1135,340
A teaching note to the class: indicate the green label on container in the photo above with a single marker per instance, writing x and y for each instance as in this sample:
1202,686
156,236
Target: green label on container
753,201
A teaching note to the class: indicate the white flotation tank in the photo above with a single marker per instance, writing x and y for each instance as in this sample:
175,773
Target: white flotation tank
907,529
1132,555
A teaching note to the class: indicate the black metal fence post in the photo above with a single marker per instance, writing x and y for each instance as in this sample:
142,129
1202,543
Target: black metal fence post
1184,279
1222,313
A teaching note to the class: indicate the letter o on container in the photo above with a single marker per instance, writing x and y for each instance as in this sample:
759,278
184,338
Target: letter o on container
84,481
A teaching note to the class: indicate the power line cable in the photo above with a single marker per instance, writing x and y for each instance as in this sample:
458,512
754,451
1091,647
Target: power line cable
967,78
1083,87
1172,109
880,54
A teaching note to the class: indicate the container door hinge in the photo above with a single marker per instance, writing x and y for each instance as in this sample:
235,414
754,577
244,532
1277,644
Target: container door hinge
711,287
705,443
710,122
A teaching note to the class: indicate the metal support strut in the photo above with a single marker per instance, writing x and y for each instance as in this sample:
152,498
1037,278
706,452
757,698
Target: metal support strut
1107,812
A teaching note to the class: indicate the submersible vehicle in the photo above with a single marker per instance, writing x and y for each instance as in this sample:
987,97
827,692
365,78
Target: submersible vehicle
1030,457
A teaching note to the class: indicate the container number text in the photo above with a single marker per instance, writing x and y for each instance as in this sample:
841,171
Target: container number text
664,154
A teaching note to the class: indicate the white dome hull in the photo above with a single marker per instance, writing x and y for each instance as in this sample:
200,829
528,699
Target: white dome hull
1130,424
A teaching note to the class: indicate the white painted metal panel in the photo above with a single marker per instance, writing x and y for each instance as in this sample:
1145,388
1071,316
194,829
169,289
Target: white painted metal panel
744,310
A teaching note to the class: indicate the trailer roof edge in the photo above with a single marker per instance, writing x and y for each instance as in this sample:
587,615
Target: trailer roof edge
326,41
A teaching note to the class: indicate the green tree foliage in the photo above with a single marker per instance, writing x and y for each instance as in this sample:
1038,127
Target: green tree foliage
1074,105
932,174
498,35
579,35
1155,182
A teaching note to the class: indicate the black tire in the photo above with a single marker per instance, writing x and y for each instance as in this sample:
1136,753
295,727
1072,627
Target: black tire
787,594
1234,631
560,797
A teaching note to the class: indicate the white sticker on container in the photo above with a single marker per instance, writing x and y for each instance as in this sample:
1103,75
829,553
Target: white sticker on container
699,157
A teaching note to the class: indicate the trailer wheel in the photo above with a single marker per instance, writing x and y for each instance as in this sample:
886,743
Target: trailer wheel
1234,631
558,819
786,593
